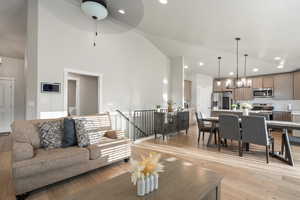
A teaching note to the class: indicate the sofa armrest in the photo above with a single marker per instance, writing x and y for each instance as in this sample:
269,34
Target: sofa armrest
22,151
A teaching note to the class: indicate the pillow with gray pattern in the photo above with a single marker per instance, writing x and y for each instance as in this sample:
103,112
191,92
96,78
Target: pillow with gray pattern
82,132
51,134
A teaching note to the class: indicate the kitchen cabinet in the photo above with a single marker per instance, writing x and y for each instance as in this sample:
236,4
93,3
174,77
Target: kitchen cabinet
257,82
243,94
268,82
283,86
263,82
282,116
296,80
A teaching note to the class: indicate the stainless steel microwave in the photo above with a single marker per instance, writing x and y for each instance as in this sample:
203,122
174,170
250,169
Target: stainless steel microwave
263,93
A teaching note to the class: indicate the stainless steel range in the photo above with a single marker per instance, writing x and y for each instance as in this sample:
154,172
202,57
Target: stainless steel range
262,107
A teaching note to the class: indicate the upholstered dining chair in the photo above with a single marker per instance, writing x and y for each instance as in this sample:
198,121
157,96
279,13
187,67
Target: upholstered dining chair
265,115
204,127
255,131
229,128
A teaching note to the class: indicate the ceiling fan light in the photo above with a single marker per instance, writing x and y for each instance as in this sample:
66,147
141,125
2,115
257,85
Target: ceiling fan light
96,9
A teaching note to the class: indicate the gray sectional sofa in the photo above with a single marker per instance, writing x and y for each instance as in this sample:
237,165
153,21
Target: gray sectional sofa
35,167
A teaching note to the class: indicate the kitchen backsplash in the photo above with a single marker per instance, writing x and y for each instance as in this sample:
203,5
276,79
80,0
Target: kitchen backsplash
279,105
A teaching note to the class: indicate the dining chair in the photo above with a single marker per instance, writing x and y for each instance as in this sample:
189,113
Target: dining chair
229,128
265,115
255,131
204,127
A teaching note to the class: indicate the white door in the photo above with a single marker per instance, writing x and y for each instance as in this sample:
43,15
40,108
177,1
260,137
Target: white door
6,104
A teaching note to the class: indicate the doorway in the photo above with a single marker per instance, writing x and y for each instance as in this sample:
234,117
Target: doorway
73,96
83,92
6,103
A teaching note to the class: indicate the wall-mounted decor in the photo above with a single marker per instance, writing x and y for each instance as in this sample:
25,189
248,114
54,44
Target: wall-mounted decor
50,87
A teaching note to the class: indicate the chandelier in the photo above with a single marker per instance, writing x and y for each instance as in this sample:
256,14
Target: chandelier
239,82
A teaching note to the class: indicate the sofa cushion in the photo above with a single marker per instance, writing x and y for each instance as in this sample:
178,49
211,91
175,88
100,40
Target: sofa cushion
109,148
22,151
53,159
28,131
69,137
51,134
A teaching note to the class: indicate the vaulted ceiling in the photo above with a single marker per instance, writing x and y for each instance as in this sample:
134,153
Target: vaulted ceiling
199,30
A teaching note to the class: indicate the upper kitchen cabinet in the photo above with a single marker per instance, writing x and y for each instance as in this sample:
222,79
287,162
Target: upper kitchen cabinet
268,82
263,82
283,86
257,82
297,85
243,94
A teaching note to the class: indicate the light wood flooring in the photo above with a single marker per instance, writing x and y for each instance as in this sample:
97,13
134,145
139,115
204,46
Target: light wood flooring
245,178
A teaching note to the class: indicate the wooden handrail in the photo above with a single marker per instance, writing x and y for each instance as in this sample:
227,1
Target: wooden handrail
7,188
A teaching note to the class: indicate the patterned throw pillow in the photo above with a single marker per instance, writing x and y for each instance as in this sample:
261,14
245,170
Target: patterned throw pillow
51,134
87,132
82,132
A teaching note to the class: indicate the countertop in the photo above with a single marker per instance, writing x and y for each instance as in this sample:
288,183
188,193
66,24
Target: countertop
240,111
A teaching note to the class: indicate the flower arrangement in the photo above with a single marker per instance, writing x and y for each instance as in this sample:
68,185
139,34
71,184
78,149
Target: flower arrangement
147,166
234,106
246,106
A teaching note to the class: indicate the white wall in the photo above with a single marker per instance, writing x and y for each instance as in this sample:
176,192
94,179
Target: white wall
133,68
14,68
177,80
31,59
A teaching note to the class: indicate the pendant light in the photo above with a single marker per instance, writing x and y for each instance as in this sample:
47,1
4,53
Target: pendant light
219,72
246,83
238,82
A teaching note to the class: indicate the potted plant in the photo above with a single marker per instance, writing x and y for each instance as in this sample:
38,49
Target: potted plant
234,106
158,107
246,107
170,106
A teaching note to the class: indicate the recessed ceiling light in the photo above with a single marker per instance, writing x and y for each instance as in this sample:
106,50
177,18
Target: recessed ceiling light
255,70
231,73
122,11
280,66
201,63
277,58
163,1
186,67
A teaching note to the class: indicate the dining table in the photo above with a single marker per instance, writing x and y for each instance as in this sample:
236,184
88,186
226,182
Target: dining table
286,154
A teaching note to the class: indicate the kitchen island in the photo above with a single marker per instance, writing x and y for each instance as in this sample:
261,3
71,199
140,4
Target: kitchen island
218,112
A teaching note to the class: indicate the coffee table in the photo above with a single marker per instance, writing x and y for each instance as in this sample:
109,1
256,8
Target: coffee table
180,181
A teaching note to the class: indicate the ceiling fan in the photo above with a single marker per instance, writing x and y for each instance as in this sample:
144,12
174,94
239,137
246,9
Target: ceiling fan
129,12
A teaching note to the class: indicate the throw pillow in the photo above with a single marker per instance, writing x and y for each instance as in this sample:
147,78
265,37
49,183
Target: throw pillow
51,134
111,134
81,125
69,138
